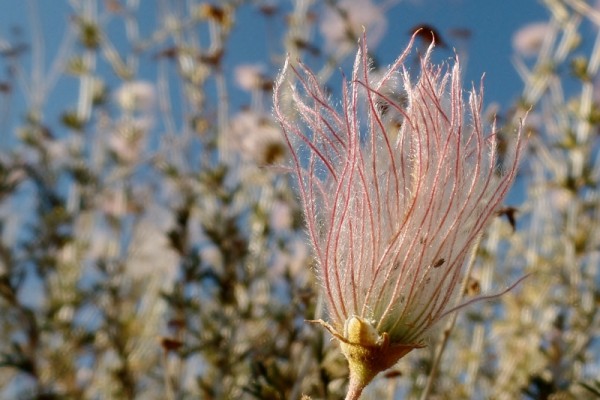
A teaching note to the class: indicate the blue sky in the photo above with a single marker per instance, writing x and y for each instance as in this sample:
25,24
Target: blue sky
488,50
491,23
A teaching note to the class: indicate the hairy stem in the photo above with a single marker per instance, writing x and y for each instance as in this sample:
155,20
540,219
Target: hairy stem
355,388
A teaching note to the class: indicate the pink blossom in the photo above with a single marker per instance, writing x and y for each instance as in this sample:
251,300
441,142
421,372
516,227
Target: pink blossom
392,212
250,76
528,40
136,96
257,137
349,18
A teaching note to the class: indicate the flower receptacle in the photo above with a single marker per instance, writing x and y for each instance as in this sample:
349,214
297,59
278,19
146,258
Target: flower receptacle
369,353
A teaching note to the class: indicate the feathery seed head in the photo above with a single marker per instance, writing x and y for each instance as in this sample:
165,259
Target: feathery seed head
392,209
